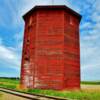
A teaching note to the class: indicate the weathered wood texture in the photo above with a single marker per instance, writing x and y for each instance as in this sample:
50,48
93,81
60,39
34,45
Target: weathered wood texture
51,50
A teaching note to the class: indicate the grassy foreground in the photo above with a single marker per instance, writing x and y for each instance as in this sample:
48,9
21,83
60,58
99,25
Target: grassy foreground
83,94
0,94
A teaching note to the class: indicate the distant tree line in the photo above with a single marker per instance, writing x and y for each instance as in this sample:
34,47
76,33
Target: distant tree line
14,78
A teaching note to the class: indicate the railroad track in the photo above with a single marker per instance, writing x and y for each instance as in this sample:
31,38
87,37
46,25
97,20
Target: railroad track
30,96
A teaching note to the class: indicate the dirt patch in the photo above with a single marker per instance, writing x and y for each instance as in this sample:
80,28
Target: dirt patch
6,96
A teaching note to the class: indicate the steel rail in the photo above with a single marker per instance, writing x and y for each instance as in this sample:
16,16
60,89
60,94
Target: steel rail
30,96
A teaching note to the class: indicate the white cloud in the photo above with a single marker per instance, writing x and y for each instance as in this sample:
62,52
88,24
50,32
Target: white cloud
9,56
85,25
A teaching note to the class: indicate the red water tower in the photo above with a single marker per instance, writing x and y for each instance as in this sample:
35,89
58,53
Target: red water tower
51,48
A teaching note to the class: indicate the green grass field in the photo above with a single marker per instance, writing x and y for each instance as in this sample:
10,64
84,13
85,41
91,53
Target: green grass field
84,94
9,83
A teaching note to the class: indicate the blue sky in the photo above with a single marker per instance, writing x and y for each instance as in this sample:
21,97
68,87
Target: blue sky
12,27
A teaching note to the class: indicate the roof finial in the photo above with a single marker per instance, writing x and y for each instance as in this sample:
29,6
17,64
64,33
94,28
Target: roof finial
52,2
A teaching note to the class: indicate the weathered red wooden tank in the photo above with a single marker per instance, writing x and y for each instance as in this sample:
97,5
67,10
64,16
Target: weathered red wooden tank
51,48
